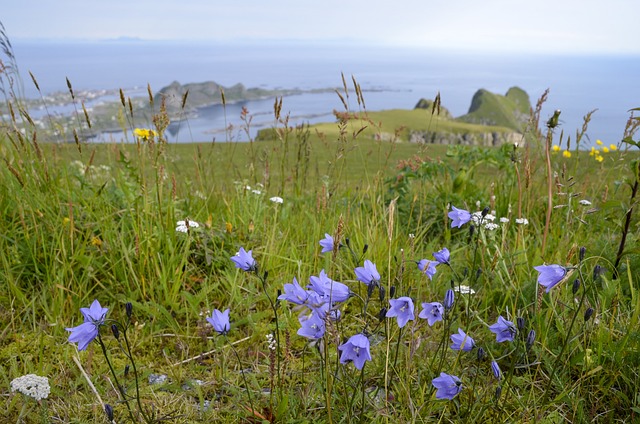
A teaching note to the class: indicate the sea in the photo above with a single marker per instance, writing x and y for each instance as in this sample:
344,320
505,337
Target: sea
390,78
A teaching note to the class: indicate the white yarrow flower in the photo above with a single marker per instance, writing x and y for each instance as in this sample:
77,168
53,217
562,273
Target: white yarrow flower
523,221
491,226
183,226
464,290
32,385
504,220
585,202
256,192
276,199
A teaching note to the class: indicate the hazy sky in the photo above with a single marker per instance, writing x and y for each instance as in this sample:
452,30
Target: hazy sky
562,26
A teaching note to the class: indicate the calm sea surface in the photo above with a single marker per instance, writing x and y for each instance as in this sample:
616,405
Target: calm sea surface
391,77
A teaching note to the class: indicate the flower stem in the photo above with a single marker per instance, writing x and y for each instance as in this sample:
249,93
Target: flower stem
244,378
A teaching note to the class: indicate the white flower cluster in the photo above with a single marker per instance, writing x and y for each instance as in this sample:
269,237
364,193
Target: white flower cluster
585,202
277,199
464,290
183,226
522,221
271,341
32,385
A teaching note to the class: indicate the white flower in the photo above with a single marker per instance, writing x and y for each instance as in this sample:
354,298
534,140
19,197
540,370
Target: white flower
276,199
523,221
256,192
490,217
585,202
183,226
32,385
491,226
477,218
271,341
504,220
464,290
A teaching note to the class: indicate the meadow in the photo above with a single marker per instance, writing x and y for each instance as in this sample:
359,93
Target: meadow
367,279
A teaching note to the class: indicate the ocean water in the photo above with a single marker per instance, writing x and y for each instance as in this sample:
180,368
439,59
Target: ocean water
391,78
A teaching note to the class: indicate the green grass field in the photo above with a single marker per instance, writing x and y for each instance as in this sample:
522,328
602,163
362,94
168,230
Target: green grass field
82,222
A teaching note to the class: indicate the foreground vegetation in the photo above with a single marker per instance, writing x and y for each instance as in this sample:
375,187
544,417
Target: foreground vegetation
101,222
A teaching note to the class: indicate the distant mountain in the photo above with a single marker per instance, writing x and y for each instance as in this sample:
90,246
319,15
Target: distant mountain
511,110
208,93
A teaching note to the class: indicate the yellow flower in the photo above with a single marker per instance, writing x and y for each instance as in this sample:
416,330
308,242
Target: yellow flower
613,147
556,148
599,142
593,151
599,158
228,227
144,133
566,154
605,149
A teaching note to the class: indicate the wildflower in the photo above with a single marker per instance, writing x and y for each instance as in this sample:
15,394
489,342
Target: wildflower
183,226
449,298
294,293
329,289
448,386
496,370
588,313
220,321
84,333
276,199
312,327
108,409
585,202
355,350
504,220
31,385
402,308
599,158
244,260
432,312
550,275
490,226
464,289
144,133
442,256
593,151
462,341
428,267
522,221
613,147
368,273
256,192
605,149
459,217
599,142
504,330
326,243
566,154
531,338
556,148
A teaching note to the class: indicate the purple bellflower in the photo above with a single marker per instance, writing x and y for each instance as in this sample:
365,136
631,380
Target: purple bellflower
329,289
311,326
496,370
432,312
428,267
462,341
505,330
550,275
220,321
84,333
448,386
244,260
368,273
442,256
402,308
326,243
294,293
355,350
449,298
459,217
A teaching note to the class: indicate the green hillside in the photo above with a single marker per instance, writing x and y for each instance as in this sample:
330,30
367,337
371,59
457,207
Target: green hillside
510,110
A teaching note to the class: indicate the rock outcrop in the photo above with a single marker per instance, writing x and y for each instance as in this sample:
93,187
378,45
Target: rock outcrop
486,139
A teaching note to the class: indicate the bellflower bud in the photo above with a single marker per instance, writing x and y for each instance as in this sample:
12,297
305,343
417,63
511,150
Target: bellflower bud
382,314
392,291
381,292
588,313
115,331
576,286
365,248
109,411
480,354
485,211
531,338
520,323
449,298
128,307
583,251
